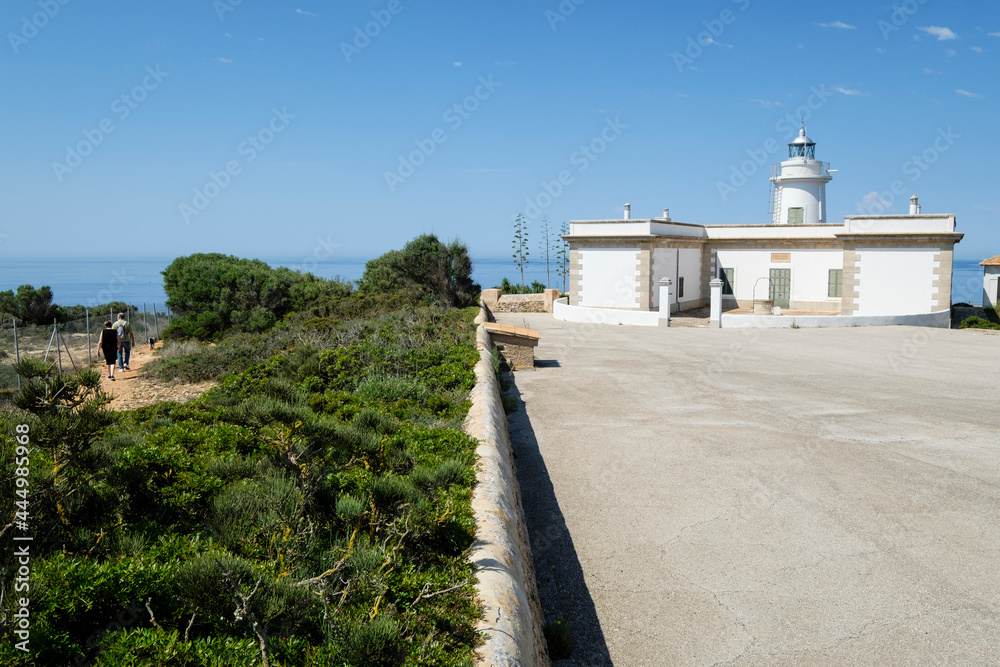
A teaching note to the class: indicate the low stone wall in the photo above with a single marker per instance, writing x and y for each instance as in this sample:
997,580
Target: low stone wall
501,554
520,303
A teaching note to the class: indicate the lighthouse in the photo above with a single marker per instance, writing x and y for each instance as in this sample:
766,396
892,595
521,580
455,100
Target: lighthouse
799,185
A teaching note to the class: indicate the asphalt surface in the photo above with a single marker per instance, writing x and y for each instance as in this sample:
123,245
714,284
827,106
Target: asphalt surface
779,497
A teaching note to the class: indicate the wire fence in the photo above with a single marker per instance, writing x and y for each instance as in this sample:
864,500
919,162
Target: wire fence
71,345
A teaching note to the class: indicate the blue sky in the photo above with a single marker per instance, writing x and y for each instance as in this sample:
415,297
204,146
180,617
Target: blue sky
278,129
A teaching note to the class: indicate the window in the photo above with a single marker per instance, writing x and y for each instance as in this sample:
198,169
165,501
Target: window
835,284
728,277
680,288
796,215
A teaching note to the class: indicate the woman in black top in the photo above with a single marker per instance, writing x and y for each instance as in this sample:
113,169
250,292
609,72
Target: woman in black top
108,343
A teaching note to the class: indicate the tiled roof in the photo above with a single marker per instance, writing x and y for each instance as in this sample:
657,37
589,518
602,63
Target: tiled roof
992,261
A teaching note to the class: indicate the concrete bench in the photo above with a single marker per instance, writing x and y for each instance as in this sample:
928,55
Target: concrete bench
516,344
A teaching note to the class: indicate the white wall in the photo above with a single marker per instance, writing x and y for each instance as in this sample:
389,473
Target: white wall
773,231
895,281
609,277
634,228
991,278
664,266
808,195
940,320
888,224
676,263
584,315
810,272
690,270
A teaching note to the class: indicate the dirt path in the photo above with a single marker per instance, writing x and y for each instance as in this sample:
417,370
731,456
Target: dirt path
135,389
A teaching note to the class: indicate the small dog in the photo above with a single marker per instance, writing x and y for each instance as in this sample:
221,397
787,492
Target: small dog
152,343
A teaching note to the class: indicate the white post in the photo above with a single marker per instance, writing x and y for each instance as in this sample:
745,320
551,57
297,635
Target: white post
666,300
715,309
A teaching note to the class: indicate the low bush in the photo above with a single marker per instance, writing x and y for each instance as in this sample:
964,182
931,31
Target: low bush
308,508
978,323
508,287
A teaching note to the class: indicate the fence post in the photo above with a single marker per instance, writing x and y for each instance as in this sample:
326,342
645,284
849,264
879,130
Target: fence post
55,332
17,350
145,324
68,352
90,354
156,322
48,348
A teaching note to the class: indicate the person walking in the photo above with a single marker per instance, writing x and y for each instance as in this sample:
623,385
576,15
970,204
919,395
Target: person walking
108,344
125,342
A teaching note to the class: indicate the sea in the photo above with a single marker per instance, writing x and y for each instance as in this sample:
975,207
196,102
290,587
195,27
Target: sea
139,281
136,281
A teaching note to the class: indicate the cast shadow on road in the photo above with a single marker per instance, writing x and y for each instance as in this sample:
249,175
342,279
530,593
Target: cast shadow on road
561,585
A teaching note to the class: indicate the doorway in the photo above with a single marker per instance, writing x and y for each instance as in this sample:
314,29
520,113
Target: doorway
781,287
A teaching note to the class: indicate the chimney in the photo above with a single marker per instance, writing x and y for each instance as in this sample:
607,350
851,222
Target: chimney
666,214
914,205
628,211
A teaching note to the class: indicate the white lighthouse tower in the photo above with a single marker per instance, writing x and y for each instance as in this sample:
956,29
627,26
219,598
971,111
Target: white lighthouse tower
800,185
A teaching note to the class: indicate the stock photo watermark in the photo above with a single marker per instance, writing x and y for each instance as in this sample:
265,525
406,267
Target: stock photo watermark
249,150
714,28
22,547
323,251
31,25
363,35
455,116
223,7
120,280
581,159
879,202
788,127
562,13
121,108
899,17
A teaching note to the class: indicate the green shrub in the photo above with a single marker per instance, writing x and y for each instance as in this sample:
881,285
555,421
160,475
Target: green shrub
341,505
382,389
374,643
978,323
148,646
349,508
213,293
426,267
508,287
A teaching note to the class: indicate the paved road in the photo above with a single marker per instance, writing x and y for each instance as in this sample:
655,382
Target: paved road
785,497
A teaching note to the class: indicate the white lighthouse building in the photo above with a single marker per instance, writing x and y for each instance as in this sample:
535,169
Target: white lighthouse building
796,269
800,185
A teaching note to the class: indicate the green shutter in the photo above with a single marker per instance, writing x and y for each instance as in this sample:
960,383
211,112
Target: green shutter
680,288
835,284
796,215
728,281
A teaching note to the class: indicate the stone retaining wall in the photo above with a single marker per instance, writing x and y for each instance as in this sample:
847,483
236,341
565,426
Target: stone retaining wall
501,554
520,303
